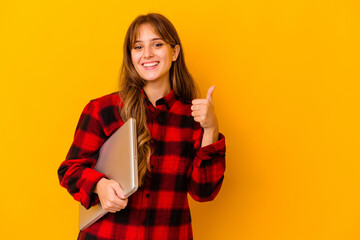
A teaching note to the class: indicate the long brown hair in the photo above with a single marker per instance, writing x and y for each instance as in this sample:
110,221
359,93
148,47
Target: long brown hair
131,83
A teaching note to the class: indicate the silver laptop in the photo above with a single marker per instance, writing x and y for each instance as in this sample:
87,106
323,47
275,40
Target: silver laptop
118,161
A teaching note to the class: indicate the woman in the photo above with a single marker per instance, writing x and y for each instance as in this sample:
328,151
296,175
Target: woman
180,150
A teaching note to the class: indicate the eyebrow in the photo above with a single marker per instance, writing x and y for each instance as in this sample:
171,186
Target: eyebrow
154,39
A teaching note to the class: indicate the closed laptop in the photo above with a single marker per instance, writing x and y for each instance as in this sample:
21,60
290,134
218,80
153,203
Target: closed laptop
118,161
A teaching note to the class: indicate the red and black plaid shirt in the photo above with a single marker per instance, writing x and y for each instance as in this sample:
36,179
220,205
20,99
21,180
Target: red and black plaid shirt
159,209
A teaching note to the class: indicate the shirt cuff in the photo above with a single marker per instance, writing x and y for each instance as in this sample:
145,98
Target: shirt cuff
207,152
88,197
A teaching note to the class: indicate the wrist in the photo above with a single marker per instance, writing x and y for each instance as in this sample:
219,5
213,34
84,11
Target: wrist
212,132
97,185
211,135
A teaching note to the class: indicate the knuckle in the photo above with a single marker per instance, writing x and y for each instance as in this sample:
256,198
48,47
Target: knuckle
123,204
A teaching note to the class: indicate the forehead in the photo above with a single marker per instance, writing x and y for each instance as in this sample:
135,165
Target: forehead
145,32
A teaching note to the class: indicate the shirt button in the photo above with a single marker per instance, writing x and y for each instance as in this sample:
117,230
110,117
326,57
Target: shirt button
147,195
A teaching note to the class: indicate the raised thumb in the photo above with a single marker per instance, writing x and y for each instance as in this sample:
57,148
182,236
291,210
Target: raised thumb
209,93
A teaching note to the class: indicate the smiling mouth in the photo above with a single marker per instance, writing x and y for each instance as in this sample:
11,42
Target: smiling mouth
152,64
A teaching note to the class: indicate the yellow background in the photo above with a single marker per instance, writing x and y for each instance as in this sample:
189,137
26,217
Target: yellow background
287,98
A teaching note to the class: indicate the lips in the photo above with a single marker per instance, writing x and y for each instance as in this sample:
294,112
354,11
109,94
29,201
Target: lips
150,65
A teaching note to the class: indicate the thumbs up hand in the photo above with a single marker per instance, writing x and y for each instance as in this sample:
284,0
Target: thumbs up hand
203,112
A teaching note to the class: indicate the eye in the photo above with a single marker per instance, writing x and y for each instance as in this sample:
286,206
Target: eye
137,47
158,44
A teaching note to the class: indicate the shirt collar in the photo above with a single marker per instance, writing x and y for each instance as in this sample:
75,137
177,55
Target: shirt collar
165,102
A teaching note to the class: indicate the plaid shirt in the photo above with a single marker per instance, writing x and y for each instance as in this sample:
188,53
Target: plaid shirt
159,209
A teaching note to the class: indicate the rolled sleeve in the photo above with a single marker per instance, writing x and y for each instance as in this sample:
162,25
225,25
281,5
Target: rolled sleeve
207,172
207,152
76,173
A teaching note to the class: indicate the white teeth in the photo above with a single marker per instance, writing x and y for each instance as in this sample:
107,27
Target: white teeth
150,64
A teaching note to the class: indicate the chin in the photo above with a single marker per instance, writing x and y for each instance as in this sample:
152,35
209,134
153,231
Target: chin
149,78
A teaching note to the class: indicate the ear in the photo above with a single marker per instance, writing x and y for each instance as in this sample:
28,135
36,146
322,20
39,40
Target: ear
176,51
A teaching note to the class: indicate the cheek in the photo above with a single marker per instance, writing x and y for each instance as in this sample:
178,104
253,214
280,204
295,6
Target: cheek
134,58
166,55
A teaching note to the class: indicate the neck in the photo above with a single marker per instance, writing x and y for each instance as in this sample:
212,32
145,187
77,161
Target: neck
156,90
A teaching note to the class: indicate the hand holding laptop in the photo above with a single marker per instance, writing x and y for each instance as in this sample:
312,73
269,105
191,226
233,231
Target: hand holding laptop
118,161
111,195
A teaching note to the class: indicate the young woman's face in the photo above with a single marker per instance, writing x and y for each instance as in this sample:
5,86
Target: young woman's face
151,56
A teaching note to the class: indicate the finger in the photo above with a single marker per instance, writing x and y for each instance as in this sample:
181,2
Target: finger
118,190
112,199
124,203
112,207
199,112
117,207
118,203
210,93
195,113
115,201
199,119
200,107
199,101
194,107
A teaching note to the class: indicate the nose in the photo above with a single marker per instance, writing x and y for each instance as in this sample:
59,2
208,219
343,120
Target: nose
148,52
